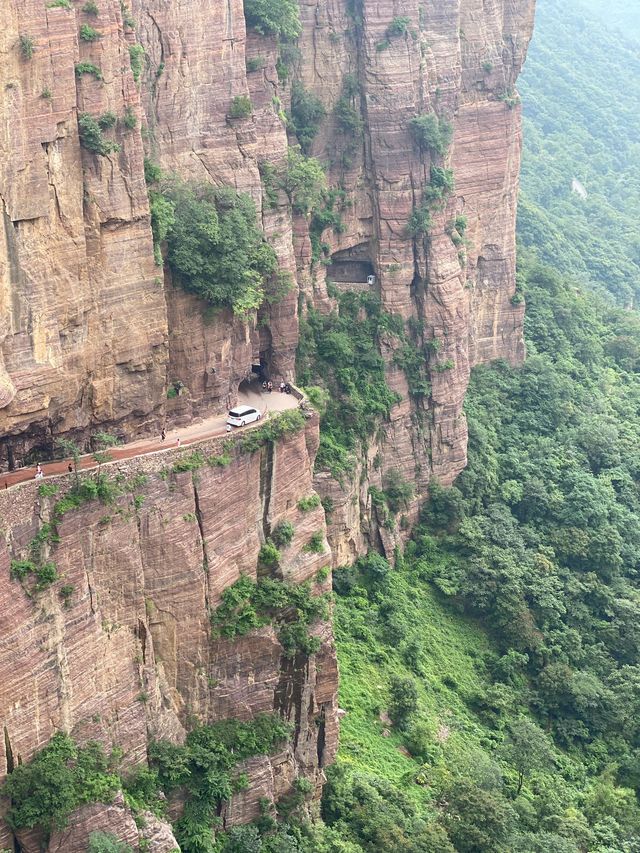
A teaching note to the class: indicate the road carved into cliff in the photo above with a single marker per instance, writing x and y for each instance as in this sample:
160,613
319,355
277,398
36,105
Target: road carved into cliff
199,431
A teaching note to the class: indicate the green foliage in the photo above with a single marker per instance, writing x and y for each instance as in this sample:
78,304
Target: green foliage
315,545
91,8
403,702
203,770
20,569
311,502
307,113
303,180
106,842
348,117
339,352
397,490
440,187
214,246
399,26
240,107
26,45
420,221
274,17
270,182
528,749
326,214
268,556
127,18
289,54
130,120
47,490
65,592
88,33
152,172
88,68
579,87
293,608
136,60
61,777
163,219
59,4
255,63
431,133
275,428
107,120
282,534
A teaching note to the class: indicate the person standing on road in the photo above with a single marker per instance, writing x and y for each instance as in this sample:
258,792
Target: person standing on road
269,386
178,442
163,435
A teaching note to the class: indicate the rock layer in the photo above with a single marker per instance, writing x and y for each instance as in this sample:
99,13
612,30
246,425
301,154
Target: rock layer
130,655
92,333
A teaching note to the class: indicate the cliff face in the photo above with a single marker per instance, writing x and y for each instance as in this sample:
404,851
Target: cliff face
83,325
460,59
130,655
92,332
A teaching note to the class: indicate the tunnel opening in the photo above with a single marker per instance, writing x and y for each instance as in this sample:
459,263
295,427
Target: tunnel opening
352,266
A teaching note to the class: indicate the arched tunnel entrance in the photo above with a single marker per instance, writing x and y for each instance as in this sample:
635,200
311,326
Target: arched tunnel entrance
352,268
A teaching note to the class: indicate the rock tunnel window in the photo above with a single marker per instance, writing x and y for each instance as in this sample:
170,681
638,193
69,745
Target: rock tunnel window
352,266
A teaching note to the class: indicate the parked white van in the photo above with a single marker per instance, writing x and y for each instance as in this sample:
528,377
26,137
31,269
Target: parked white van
242,415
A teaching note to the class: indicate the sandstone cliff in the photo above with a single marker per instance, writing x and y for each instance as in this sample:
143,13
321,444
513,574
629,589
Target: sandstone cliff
92,331
129,655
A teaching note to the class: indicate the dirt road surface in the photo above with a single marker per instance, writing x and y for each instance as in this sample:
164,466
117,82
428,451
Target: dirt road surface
211,427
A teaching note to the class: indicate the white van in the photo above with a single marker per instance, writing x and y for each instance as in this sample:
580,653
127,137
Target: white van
242,415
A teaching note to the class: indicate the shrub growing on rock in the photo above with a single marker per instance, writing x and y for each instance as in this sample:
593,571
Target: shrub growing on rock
240,107
431,133
215,248
283,534
273,17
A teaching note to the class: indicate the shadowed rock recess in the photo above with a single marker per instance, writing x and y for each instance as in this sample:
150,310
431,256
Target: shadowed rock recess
93,332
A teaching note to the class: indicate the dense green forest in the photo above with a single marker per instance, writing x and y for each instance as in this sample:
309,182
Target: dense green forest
617,15
581,90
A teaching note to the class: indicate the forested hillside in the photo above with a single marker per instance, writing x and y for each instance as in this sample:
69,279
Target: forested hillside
491,683
581,89
616,14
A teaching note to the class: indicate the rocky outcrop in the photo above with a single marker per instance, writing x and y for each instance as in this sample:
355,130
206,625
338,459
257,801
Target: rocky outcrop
129,655
459,60
77,240
115,820
92,333
83,326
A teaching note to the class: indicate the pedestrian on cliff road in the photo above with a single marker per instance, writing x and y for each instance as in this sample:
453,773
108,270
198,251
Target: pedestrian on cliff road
163,435
70,468
269,386
282,387
178,442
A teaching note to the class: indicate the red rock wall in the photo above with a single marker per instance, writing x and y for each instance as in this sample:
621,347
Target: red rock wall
131,656
461,59
87,335
83,326
91,335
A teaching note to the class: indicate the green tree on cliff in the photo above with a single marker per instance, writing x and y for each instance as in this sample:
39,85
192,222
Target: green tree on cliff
274,17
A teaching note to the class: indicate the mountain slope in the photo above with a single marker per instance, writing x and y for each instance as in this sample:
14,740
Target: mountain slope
580,89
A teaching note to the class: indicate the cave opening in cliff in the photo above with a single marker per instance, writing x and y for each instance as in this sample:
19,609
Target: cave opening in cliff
352,266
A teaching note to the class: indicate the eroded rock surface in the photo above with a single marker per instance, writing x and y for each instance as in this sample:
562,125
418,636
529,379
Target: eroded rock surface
130,656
